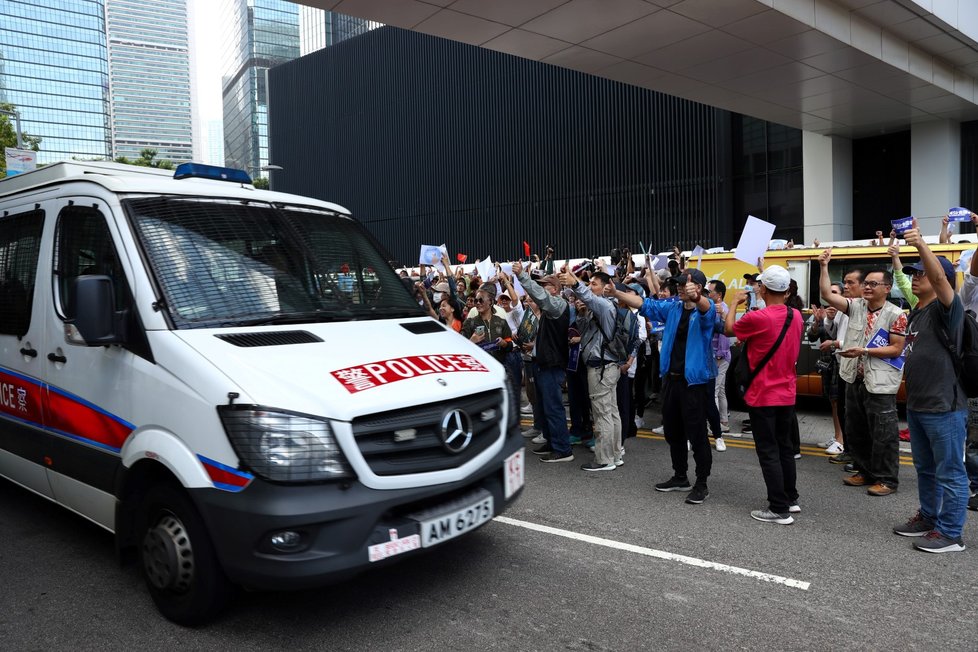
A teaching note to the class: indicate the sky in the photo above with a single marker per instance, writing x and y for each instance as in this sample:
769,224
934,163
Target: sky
207,32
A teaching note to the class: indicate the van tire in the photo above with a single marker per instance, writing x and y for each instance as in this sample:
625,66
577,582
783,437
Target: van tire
177,558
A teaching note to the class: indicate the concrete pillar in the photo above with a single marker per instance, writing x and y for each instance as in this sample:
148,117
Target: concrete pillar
935,172
827,173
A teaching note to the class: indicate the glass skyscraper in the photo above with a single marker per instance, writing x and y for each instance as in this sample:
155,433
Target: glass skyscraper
260,34
149,78
54,68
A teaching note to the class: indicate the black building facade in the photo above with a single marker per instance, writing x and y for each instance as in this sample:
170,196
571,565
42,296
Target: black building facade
428,141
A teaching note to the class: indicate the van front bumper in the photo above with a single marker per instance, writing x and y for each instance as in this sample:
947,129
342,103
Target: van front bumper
337,523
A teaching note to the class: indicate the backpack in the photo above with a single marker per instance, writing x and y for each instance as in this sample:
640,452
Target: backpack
965,356
624,339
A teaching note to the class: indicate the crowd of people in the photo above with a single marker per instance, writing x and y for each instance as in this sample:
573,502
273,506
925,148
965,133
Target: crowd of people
612,340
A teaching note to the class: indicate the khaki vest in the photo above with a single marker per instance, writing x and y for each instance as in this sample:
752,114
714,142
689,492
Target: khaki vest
879,377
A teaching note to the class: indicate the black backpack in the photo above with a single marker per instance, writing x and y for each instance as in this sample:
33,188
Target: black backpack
965,355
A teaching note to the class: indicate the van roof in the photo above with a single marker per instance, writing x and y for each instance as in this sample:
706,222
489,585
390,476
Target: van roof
122,178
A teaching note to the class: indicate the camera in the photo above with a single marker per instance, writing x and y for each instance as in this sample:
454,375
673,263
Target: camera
584,266
615,256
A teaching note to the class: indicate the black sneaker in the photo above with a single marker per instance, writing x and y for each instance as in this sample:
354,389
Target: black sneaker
767,516
973,503
697,495
594,466
543,450
557,457
850,468
841,458
674,484
934,541
916,526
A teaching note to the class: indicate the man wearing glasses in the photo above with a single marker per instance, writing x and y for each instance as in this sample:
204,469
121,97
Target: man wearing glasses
871,348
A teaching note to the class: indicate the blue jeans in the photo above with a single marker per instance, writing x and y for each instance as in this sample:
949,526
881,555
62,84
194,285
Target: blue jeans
551,401
938,442
514,368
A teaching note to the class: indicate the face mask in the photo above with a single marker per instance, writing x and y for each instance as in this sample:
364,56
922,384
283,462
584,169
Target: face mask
437,297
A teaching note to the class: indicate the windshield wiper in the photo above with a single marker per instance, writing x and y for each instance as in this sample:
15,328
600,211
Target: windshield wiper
316,316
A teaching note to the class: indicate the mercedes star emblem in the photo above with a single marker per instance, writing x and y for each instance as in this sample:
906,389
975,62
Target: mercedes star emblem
456,431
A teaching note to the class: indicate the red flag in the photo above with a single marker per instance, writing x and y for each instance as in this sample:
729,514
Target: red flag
461,258
526,248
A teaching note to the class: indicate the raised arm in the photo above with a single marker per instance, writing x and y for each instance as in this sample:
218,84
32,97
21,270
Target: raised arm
932,266
737,299
837,301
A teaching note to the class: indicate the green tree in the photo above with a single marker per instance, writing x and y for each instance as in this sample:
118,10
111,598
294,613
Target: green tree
261,183
147,158
8,136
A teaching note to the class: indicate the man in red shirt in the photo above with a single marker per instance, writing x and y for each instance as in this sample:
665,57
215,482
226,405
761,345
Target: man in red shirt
771,394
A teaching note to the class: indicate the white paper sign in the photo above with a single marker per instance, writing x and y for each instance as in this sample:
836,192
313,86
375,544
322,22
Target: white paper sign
20,160
486,269
508,268
753,240
431,255
964,263
660,262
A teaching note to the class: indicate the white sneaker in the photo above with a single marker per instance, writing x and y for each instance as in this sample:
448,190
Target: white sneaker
797,456
720,445
661,430
531,432
834,449
620,460
826,444
539,439
724,427
639,422
526,409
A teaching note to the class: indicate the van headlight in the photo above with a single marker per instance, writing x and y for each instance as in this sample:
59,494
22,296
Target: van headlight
284,447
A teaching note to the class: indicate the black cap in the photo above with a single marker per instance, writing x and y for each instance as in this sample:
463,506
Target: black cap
694,275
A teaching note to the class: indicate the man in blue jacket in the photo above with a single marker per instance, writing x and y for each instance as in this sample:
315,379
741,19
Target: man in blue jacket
687,366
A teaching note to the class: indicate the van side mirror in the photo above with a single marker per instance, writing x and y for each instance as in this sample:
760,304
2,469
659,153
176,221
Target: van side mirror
96,322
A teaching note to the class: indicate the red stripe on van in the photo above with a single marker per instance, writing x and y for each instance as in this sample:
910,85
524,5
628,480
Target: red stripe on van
72,417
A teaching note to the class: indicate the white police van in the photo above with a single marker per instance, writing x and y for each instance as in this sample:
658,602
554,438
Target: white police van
182,363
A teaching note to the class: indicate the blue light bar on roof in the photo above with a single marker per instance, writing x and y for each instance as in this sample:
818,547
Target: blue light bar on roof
214,172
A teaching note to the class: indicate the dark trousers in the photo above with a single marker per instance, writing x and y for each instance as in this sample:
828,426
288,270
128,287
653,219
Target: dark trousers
840,405
579,402
625,408
640,385
795,433
873,434
776,454
684,419
712,411
551,400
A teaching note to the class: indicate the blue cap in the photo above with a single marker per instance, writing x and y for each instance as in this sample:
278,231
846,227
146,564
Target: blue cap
945,263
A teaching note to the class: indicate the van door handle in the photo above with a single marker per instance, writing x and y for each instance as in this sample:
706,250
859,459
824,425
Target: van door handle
54,357
30,353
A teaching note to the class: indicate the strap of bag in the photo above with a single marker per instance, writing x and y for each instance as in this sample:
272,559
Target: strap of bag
770,354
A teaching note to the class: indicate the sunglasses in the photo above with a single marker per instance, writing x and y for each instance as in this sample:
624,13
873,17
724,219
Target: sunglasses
872,285
918,273
481,301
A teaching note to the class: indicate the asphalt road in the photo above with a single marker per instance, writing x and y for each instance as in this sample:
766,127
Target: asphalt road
511,588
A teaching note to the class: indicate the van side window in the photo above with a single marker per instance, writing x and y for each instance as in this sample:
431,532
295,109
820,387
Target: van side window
83,246
20,244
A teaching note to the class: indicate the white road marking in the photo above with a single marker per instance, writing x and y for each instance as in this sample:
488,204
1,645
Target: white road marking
658,554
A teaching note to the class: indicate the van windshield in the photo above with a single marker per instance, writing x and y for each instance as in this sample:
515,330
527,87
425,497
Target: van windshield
231,263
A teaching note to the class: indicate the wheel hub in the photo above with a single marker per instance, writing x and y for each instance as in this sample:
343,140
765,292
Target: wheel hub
168,558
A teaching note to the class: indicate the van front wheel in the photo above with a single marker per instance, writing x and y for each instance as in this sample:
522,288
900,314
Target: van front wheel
178,561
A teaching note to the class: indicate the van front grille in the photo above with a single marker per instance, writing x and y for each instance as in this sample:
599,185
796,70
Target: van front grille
400,442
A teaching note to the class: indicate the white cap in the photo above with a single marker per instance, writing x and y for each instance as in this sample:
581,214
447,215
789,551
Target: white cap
775,278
